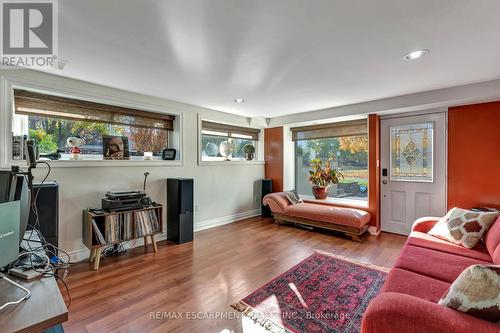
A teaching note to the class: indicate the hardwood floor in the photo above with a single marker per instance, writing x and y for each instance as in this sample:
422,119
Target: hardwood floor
221,266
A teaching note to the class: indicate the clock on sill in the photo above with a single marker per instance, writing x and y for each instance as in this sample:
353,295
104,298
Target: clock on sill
168,154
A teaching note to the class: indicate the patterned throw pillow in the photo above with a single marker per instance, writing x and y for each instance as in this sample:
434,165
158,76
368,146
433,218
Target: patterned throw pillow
463,227
293,197
476,291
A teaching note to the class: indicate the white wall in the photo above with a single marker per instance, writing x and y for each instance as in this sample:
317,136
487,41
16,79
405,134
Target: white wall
223,192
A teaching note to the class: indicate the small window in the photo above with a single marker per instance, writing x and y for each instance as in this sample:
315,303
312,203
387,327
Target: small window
51,120
221,142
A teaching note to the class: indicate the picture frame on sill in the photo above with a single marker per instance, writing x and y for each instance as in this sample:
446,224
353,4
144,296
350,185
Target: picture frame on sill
115,147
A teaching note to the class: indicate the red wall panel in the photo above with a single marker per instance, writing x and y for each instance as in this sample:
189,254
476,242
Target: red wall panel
474,155
374,169
273,155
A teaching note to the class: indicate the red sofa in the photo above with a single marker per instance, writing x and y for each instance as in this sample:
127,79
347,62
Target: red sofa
423,272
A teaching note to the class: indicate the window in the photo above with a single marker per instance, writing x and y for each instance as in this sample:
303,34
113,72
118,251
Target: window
411,152
346,144
227,142
51,120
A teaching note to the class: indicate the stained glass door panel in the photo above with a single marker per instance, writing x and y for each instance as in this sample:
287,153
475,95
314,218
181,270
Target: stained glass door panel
412,152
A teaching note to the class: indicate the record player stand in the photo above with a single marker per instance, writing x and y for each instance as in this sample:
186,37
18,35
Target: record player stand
96,248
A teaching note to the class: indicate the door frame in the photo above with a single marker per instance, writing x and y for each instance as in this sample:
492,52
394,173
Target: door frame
411,114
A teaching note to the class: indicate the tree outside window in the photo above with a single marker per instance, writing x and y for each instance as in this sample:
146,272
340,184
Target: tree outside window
50,135
350,156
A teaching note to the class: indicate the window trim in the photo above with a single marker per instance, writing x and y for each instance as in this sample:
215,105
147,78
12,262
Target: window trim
7,86
334,201
256,161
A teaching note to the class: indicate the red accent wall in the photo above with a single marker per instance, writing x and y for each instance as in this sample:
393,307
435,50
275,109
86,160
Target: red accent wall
374,169
273,155
474,155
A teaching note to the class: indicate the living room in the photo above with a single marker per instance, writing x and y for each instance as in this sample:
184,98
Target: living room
249,166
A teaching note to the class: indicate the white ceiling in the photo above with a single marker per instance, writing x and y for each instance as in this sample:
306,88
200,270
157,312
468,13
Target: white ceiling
282,56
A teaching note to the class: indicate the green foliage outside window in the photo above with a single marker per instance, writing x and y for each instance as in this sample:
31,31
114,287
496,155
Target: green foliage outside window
348,154
51,135
46,142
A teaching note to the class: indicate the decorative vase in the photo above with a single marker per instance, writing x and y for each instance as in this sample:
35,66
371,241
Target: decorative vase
320,192
249,156
226,148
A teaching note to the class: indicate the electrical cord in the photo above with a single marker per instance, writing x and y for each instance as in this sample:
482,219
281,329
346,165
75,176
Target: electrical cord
40,253
37,254
34,208
65,285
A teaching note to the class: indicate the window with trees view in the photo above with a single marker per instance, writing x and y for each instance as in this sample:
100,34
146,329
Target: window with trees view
50,135
348,153
51,120
239,138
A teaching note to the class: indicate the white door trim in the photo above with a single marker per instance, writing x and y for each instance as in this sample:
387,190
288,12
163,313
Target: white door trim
416,113
445,157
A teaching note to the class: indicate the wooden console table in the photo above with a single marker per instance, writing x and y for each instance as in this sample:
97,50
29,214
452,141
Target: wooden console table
121,227
43,310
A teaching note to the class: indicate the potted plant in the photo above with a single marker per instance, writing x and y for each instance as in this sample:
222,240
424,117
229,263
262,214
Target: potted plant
321,178
249,151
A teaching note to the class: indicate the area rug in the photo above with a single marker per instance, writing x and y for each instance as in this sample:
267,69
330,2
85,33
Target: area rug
323,293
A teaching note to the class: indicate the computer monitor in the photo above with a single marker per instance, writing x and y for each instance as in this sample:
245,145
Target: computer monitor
15,205
9,232
9,243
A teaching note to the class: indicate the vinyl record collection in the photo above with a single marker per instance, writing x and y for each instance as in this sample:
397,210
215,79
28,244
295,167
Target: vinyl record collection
146,223
126,226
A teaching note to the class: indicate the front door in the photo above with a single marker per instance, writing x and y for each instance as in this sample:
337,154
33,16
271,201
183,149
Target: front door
413,165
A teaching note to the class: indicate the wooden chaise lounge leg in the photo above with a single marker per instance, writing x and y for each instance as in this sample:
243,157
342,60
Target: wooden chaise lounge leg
355,238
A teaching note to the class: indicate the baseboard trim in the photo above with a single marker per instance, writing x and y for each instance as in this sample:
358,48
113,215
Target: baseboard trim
373,231
225,220
79,255
83,254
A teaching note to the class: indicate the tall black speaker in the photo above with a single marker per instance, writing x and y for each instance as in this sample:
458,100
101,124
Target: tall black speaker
180,210
47,204
267,187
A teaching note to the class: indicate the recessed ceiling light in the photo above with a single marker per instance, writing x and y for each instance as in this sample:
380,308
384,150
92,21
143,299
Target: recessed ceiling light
239,100
416,54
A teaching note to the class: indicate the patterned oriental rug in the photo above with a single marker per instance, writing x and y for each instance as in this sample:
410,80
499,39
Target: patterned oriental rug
323,293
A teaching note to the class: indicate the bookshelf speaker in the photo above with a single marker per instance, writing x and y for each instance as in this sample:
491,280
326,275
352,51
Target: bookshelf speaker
180,210
267,187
